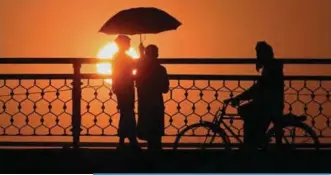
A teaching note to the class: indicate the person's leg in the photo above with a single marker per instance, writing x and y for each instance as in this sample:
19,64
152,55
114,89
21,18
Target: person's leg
277,119
121,141
263,122
248,115
121,121
158,143
154,144
130,126
150,144
131,120
133,141
155,129
127,123
249,132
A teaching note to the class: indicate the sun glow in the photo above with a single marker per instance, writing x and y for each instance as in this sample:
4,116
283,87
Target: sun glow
108,52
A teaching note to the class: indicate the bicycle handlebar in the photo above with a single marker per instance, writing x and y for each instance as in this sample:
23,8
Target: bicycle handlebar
225,105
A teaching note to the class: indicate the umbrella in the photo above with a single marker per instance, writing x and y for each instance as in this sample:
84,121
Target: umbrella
142,20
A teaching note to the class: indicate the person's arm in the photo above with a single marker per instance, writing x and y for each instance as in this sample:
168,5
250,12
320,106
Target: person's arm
139,76
164,80
250,92
135,64
141,50
114,74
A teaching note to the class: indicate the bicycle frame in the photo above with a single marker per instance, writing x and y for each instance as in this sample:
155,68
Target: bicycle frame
219,121
221,115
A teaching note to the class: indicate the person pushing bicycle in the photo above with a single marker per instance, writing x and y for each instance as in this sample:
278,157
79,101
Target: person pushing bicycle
266,97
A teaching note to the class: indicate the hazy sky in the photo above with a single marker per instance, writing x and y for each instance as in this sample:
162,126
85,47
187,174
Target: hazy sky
212,28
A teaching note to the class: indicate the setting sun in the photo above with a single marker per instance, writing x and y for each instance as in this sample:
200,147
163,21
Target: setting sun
107,52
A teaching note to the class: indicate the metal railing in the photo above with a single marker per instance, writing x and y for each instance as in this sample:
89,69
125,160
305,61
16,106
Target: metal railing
77,105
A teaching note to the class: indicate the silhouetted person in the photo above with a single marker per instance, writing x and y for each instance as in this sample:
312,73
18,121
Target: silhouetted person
152,81
123,87
267,97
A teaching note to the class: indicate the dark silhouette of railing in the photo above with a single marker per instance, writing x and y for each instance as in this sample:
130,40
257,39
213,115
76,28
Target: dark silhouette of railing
52,104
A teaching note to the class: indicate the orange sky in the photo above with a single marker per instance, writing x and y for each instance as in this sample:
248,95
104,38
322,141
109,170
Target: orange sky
213,28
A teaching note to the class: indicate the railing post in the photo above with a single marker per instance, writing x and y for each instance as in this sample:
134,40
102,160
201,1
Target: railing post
76,102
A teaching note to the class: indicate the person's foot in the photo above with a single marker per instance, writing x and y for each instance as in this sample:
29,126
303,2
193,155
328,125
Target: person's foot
120,147
136,147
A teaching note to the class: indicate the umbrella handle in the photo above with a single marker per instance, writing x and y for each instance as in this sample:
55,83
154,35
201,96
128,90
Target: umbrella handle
141,47
141,38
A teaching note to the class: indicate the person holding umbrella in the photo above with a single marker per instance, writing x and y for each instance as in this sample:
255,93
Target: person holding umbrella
123,87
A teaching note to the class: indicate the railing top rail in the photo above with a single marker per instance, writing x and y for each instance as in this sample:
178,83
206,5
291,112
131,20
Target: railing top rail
162,60
171,76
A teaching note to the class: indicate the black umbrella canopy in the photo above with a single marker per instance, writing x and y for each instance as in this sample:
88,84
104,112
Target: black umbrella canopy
142,20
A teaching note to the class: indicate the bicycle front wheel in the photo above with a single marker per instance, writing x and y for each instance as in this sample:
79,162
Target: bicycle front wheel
295,135
204,135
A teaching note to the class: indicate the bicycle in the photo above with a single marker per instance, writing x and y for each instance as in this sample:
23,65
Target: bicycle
219,127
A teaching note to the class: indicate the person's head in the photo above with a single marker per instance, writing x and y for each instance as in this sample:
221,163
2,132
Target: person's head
123,42
264,54
152,51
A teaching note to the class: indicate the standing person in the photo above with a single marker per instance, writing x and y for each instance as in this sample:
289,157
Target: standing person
267,97
152,81
123,87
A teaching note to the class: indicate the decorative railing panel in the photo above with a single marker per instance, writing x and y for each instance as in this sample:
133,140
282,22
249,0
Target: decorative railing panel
35,107
43,105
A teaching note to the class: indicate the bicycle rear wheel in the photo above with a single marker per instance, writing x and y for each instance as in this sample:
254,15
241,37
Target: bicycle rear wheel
204,135
295,135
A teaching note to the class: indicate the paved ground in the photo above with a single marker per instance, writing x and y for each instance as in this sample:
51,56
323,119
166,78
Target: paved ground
112,161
